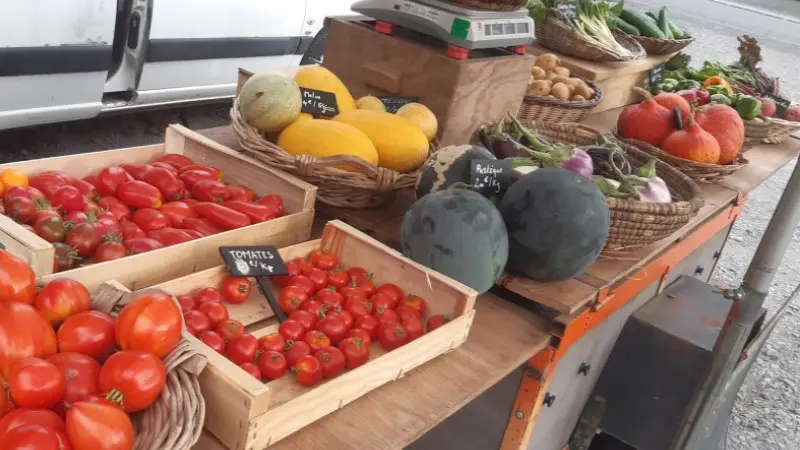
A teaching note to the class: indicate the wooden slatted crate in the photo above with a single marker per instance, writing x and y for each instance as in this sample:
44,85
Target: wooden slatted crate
248,414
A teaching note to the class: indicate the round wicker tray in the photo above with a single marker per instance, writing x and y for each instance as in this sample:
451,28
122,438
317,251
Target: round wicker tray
768,131
655,46
556,35
555,110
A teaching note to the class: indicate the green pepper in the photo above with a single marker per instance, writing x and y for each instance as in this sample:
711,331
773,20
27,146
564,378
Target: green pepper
748,107
696,76
721,99
689,84
675,75
717,89
668,85
734,99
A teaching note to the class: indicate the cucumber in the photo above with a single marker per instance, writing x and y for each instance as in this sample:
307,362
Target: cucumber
677,32
646,25
663,23
628,28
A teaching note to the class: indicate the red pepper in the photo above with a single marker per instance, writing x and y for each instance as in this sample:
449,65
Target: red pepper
110,178
116,207
167,182
141,245
176,160
257,213
194,234
202,226
217,174
225,218
191,177
210,191
169,236
242,193
177,212
137,171
138,194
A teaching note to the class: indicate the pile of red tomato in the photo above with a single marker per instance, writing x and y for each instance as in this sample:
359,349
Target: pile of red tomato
69,376
131,208
334,316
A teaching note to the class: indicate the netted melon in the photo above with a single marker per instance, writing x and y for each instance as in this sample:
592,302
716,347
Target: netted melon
270,101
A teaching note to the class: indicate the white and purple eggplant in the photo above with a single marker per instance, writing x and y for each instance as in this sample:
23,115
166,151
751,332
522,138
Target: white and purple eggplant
644,185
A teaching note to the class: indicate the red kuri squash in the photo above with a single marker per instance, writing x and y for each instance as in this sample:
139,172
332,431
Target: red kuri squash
692,142
724,123
670,101
647,121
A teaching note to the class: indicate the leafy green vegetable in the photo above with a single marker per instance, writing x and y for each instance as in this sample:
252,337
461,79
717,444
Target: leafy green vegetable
711,69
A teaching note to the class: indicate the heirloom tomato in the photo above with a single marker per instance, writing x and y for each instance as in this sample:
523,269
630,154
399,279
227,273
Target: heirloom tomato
110,249
21,209
31,437
132,379
90,333
20,417
84,238
61,298
17,280
51,228
99,426
24,333
150,323
81,374
35,383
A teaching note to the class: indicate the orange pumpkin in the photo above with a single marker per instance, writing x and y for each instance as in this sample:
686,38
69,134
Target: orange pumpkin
692,142
670,101
724,123
647,121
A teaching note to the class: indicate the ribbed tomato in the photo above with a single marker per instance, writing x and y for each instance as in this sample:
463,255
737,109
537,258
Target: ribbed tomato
31,437
133,379
21,417
17,280
99,426
36,383
24,333
150,323
81,375
62,298
90,333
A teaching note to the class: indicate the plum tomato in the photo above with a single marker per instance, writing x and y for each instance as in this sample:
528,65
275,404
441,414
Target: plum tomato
273,201
242,349
141,245
316,340
304,283
216,312
329,298
196,322
51,229
208,294
332,361
416,302
36,383
297,349
359,333
150,219
437,320
291,330
90,333
308,371
240,193
358,306
413,326
322,259
338,278
291,298
392,335
333,327
370,324
116,207
272,364
68,198
355,351
274,342
187,303
235,290
251,369
229,329
306,318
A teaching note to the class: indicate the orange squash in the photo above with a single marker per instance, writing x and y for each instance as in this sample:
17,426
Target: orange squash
692,142
724,123
670,101
647,121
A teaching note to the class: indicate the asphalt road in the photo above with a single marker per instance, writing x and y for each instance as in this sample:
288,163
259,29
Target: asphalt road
767,414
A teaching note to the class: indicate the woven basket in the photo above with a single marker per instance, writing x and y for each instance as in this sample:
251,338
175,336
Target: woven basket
770,131
370,187
175,420
655,46
556,35
635,224
494,5
555,110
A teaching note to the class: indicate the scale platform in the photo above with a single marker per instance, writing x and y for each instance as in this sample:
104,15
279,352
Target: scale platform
462,28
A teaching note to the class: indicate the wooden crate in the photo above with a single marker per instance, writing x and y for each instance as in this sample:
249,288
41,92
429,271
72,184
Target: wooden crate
246,414
146,269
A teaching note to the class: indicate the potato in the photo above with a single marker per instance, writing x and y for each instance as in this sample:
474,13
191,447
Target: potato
539,73
551,76
562,71
577,98
548,61
560,91
565,80
539,88
584,91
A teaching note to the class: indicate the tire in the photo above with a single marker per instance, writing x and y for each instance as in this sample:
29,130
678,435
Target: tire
315,52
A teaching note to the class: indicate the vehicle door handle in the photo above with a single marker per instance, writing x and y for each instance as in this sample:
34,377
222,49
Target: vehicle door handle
133,30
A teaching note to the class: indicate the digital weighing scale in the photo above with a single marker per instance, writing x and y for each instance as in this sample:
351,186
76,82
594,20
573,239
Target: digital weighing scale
462,28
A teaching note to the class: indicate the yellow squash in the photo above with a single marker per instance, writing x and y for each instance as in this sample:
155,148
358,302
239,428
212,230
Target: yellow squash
322,79
422,117
323,138
401,145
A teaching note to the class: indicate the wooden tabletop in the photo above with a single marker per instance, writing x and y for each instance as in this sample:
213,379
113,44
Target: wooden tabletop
502,338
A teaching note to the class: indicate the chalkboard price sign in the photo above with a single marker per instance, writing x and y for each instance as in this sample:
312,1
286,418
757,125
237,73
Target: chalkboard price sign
781,104
393,103
253,261
656,75
319,103
490,177
569,10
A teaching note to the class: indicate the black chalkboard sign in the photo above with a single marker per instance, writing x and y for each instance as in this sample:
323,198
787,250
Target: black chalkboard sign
490,177
569,10
319,103
781,103
656,75
260,262
393,103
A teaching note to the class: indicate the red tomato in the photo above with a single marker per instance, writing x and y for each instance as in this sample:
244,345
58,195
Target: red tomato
240,193
186,302
213,171
152,323
314,307
370,324
87,189
163,165
306,319
393,293
21,209
392,335
21,417
191,177
274,202
130,230
50,228
18,280
338,278
292,269
141,245
316,340
213,340
194,234
368,287
304,283
297,350
109,251
358,306
13,192
274,342
292,330
68,199
133,379
251,369
196,322
138,194
31,437
24,333
65,257
405,312
318,277
208,294
235,290
333,327
358,274
308,371
202,226
353,288
210,191
329,298
99,426
84,238
110,179
222,217
166,181
5,406
149,219
242,349
272,365
116,207
176,160
323,260
36,383
229,329
136,171
332,361
43,211
415,302
436,321
62,298
304,264
291,298
381,302
48,181
107,227
413,326
355,351
90,333
81,374
169,236
345,316
177,212
359,333
216,312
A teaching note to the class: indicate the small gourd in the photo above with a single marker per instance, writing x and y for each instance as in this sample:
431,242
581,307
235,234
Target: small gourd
727,127
692,142
647,121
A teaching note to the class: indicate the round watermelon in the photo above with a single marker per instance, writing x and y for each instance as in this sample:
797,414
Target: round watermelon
557,222
448,166
459,233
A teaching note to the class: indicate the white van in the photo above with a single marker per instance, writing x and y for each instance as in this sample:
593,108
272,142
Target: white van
75,59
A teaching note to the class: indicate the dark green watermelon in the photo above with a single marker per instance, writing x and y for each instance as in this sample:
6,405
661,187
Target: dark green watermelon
448,166
459,233
557,222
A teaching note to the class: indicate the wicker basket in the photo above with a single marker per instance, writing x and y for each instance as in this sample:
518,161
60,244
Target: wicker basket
555,110
655,46
175,421
768,131
635,224
494,5
556,35
370,187
700,172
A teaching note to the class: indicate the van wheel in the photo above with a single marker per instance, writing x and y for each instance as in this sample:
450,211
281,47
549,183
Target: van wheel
316,50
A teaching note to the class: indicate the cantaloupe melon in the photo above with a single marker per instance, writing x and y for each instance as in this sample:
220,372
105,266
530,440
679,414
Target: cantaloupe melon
323,138
370,102
270,101
422,117
322,79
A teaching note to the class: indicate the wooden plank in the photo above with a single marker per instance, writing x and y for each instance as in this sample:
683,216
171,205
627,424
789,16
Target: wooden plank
765,160
565,296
